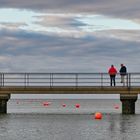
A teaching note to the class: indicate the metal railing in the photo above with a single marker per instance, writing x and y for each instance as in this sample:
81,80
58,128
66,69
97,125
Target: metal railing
66,79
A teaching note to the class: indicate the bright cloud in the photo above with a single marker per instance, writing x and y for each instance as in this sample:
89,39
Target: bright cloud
61,23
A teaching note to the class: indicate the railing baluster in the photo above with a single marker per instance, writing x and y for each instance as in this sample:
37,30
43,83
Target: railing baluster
127,75
3,80
76,80
51,80
25,80
129,80
101,79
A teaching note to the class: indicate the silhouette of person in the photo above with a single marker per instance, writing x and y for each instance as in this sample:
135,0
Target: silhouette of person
112,72
123,72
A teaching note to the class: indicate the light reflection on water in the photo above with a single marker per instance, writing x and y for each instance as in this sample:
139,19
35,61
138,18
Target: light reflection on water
24,121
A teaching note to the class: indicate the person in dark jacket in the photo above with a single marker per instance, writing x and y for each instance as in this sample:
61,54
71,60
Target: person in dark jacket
123,72
112,72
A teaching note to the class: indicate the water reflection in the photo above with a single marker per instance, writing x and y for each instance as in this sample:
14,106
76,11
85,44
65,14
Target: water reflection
124,127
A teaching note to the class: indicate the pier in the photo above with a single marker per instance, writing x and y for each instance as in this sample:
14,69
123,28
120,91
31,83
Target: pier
70,83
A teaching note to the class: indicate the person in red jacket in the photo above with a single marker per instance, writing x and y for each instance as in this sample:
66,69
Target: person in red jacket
112,72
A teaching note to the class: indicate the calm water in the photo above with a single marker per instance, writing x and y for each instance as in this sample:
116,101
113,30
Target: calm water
31,120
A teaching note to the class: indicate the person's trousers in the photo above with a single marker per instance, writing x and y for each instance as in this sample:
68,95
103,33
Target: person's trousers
123,80
112,80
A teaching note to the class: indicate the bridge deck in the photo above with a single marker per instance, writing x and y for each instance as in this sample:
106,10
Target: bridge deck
68,90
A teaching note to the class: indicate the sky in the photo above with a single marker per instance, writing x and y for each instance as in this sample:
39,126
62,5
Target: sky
69,35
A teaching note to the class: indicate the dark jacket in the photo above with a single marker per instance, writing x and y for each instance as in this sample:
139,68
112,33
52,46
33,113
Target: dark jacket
123,70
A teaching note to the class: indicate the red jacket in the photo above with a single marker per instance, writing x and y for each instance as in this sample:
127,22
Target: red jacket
112,71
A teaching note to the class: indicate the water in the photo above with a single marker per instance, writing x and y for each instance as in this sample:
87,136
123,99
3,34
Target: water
31,120
87,106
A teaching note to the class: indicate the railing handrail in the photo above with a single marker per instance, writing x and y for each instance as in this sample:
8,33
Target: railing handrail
76,79
62,72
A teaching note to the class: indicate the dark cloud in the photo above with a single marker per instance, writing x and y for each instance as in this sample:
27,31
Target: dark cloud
29,51
20,38
30,43
118,8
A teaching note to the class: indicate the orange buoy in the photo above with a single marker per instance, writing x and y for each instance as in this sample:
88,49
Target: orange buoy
63,105
77,105
116,106
46,103
98,115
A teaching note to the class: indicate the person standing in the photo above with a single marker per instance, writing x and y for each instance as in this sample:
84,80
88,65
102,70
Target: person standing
123,72
112,72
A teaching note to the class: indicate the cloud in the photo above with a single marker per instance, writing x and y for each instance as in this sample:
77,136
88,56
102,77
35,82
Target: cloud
126,35
124,9
11,26
35,52
60,21
72,25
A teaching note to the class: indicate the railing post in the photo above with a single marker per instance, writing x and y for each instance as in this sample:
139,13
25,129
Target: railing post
76,80
25,80
101,79
3,79
51,80
129,80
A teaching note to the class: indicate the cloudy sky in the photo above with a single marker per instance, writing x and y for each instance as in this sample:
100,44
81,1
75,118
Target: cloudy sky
69,35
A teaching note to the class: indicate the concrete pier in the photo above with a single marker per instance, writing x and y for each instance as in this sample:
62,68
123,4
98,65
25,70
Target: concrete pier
3,102
128,103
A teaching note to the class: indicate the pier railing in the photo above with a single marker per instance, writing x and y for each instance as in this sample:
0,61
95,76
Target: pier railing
66,79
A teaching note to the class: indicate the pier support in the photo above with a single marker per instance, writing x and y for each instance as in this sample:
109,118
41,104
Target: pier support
128,103
3,102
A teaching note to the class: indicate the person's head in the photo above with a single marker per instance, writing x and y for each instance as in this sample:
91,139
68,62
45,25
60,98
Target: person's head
112,65
122,65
